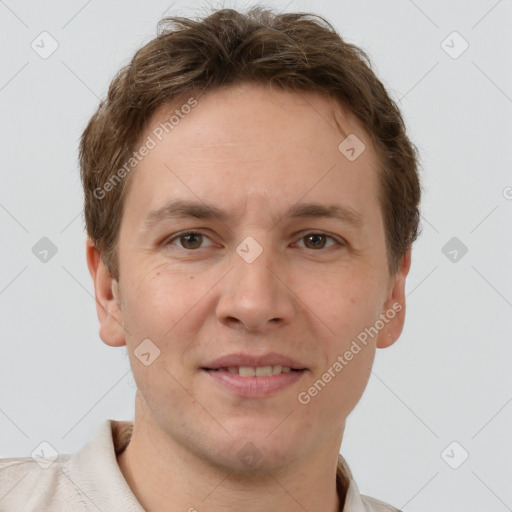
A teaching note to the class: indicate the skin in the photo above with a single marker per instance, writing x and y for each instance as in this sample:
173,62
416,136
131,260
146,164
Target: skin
255,153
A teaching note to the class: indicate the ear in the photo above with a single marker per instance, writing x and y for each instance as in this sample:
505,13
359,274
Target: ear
106,291
394,306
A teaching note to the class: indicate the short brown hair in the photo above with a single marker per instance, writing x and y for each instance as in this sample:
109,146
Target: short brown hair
297,52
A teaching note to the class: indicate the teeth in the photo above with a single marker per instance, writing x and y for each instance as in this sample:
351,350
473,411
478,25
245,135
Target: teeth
260,371
264,371
246,371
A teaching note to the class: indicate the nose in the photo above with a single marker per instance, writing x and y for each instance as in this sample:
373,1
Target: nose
254,296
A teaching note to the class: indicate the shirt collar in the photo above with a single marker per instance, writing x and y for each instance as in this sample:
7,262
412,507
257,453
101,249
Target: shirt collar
96,474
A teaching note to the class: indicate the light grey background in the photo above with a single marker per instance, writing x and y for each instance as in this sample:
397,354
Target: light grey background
447,379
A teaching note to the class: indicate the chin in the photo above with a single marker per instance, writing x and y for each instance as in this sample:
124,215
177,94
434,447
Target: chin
252,451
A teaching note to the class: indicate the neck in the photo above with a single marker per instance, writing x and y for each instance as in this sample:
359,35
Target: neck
166,477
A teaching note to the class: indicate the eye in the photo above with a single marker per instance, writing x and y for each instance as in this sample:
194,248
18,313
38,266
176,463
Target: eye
190,240
318,240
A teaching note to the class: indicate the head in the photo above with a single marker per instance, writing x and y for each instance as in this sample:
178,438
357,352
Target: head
252,117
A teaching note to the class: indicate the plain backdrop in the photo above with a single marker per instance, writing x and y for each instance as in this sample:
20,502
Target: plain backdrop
441,393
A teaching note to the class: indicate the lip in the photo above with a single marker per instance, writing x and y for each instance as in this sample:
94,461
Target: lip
242,359
253,387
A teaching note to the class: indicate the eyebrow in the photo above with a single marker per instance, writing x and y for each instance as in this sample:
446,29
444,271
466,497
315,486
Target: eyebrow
183,209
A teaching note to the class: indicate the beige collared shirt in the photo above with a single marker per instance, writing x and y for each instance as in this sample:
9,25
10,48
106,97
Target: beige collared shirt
90,480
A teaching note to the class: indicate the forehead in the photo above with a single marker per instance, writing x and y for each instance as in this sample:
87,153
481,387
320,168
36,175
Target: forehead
250,113
264,146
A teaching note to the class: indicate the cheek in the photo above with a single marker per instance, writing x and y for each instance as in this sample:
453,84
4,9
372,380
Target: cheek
163,392
337,388
346,306
353,379
166,308
347,312
157,301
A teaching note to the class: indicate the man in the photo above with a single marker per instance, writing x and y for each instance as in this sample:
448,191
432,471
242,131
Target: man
251,199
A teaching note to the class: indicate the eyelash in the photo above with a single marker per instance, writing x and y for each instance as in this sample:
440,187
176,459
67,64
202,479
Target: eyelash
309,233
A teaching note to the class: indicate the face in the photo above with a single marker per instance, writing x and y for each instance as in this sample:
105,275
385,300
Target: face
245,266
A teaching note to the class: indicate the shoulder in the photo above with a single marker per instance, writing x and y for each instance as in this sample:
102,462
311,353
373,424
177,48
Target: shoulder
85,481
354,501
375,505
30,485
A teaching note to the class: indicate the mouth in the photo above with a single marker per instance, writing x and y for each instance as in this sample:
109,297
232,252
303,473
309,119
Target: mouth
254,382
259,371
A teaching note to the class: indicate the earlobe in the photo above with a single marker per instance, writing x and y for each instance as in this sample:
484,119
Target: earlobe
394,307
108,304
